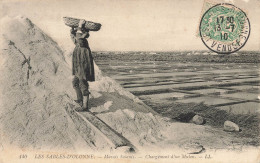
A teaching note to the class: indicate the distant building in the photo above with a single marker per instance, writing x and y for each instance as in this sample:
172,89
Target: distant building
213,53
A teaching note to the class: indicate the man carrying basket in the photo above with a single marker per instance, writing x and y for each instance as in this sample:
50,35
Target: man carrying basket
82,65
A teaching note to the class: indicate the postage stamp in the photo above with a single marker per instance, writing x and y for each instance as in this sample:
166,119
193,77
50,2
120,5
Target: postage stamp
224,28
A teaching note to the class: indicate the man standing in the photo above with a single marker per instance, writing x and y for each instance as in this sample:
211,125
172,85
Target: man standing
82,65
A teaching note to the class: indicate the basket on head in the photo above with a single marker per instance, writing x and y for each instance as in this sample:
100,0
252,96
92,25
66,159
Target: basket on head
74,22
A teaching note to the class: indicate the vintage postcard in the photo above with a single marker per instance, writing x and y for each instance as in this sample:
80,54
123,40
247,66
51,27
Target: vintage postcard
130,81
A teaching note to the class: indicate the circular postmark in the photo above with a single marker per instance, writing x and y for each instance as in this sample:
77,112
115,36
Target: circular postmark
224,28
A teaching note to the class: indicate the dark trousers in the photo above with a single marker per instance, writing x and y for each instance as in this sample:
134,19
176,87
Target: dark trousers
81,87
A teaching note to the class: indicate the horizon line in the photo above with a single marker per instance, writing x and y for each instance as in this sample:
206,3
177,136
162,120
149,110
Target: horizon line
169,51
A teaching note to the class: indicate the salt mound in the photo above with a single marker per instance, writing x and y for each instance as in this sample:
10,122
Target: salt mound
31,99
36,89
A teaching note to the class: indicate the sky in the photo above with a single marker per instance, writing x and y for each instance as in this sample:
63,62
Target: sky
129,25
